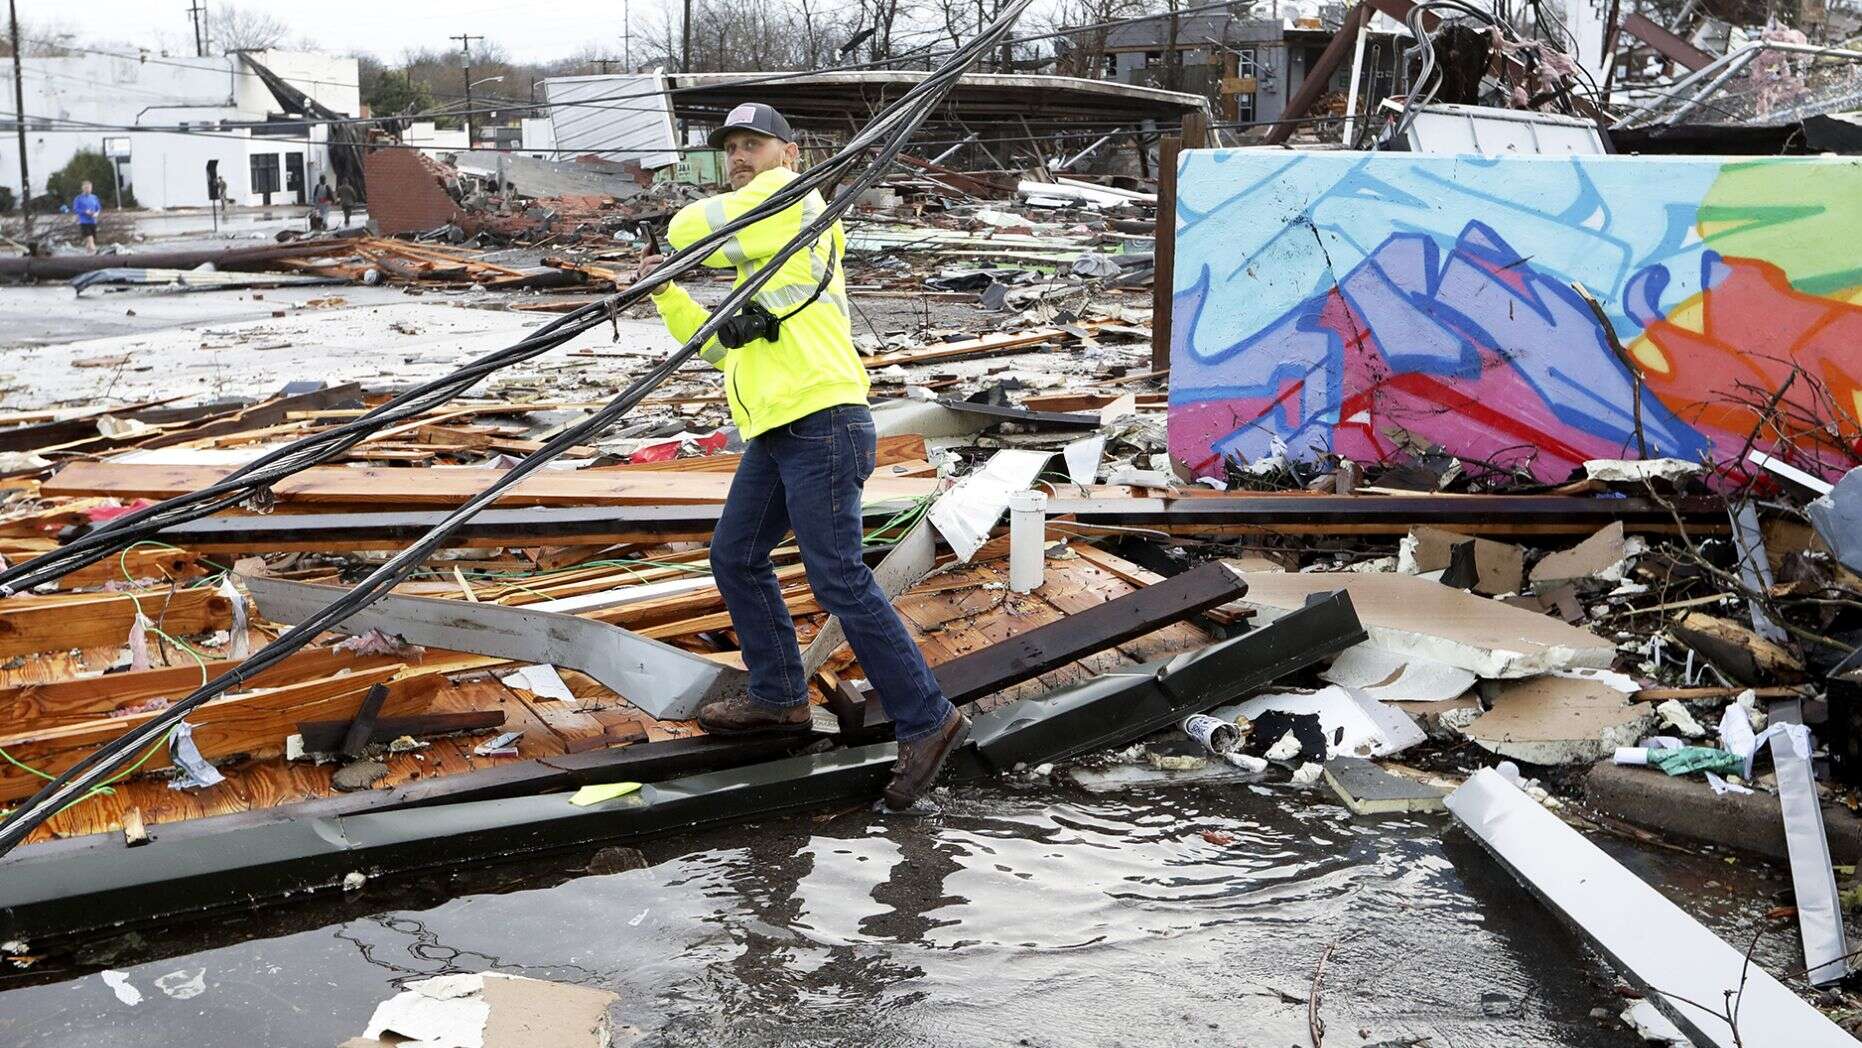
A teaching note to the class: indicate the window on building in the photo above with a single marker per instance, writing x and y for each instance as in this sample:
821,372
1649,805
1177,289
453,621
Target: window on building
1153,59
265,173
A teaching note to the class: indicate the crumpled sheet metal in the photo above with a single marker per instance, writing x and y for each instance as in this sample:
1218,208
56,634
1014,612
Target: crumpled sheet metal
1651,941
965,514
667,682
1837,517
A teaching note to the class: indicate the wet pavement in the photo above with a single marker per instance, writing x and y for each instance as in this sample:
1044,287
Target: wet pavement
1019,915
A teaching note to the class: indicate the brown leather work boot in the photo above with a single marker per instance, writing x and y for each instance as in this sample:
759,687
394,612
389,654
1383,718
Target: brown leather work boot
920,761
739,716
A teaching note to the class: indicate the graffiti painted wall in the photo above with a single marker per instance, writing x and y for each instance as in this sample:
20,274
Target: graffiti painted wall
1361,304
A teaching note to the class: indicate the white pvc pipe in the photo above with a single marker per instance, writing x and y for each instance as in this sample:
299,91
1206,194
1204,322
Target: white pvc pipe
1027,540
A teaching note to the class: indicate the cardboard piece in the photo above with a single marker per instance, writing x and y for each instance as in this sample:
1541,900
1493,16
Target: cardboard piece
1499,566
1599,557
490,1010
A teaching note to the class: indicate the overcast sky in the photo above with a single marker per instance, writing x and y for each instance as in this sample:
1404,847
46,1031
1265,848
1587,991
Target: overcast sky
528,30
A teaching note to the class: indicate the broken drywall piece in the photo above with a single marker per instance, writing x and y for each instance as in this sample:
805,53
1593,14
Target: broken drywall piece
1559,720
965,514
1349,722
1285,750
1368,789
1622,682
1603,557
1653,1027
1632,471
1390,677
1413,616
541,680
1125,404
1837,517
490,1010
1499,566
1676,716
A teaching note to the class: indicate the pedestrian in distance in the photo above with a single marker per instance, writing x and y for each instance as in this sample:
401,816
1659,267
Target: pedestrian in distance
87,207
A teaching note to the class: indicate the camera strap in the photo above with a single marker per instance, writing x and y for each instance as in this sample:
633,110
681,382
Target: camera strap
826,278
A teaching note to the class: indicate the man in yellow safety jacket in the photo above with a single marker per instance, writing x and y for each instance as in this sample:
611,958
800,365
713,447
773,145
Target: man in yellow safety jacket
797,392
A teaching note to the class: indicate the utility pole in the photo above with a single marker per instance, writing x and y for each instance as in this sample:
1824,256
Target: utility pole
601,64
465,45
627,36
19,122
685,54
198,15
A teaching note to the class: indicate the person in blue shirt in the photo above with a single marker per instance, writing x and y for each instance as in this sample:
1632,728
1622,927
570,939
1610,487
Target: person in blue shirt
87,207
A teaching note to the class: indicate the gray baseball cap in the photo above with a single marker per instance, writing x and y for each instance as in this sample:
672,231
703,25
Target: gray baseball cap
753,116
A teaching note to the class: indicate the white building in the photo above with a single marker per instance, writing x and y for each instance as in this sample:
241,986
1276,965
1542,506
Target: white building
164,119
431,140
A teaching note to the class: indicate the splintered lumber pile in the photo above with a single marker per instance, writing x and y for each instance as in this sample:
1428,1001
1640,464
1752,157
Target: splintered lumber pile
341,486
31,623
254,723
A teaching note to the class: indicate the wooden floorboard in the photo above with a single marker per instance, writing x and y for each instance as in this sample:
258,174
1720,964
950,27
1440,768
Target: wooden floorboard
956,612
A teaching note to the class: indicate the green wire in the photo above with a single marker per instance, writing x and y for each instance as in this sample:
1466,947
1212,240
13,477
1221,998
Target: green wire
122,563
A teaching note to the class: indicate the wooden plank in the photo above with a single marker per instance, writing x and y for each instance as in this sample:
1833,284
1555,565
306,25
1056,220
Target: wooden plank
1164,253
30,623
893,451
163,565
1082,624
377,487
986,345
256,723
70,701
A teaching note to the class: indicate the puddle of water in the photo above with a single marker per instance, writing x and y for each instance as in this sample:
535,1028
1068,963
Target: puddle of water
1017,916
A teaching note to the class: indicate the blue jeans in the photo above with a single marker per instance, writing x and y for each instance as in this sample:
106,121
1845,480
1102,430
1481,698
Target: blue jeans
808,475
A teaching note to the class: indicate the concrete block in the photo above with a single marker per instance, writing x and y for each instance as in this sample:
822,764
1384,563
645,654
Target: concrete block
1687,807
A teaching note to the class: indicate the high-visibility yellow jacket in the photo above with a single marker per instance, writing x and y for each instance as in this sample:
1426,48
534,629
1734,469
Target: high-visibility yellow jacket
812,365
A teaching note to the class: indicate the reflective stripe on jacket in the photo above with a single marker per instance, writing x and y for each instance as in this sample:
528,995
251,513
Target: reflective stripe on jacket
812,364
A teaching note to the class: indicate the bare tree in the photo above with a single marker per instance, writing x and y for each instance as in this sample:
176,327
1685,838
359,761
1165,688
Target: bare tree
39,40
1083,53
239,29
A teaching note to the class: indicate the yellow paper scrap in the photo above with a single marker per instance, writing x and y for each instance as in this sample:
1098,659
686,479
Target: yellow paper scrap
588,795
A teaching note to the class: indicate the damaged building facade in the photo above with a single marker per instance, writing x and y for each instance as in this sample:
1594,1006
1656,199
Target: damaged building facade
162,119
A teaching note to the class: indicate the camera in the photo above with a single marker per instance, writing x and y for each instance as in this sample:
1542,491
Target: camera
752,322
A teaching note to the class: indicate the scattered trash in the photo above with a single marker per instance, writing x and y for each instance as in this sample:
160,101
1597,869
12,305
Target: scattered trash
608,791
119,984
490,1010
